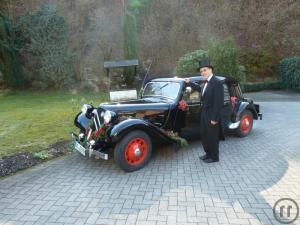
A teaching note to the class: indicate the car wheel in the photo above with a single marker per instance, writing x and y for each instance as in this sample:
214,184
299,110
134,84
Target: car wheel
134,150
246,124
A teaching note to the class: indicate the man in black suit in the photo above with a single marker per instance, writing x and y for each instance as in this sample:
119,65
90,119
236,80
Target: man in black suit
212,98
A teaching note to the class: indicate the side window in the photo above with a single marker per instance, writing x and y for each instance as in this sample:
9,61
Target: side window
193,97
226,93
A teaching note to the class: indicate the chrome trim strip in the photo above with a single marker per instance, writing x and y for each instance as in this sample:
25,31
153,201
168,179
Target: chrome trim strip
96,125
98,118
89,134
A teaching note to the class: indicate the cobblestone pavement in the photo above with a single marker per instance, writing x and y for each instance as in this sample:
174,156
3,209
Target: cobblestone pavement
176,187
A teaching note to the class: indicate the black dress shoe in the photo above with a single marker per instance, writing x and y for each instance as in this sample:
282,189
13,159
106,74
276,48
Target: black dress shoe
209,160
204,157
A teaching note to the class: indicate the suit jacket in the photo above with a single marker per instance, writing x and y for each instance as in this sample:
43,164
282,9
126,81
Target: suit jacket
212,101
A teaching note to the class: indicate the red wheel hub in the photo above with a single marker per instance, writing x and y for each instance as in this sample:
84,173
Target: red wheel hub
246,123
136,151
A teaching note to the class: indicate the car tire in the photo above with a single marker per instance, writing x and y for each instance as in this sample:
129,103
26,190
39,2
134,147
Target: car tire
133,151
246,124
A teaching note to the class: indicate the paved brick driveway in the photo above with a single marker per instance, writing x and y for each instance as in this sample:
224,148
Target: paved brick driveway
176,187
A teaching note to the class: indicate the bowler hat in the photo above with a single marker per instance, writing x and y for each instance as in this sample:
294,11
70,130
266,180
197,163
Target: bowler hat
204,63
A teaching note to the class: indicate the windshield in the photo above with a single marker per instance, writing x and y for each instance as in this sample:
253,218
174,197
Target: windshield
162,89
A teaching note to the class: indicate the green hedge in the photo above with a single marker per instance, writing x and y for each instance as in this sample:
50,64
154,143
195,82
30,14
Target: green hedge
259,86
290,72
10,59
49,61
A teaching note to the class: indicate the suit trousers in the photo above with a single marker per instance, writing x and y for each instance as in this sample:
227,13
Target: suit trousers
210,137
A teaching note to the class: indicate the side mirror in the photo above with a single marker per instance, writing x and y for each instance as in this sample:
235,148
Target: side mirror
188,90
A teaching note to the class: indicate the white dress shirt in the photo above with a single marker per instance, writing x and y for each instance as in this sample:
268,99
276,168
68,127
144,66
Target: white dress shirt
208,79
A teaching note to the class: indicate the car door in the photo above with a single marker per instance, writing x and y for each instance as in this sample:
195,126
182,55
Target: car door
192,114
227,107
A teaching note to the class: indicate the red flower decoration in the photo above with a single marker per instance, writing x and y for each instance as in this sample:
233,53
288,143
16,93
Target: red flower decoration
182,105
98,133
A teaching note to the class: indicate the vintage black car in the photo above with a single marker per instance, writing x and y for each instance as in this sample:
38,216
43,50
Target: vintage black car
166,107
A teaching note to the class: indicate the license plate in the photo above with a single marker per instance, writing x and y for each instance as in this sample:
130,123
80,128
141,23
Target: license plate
79,148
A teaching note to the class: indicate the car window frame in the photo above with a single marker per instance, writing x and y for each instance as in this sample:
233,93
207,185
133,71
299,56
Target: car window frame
228,91
161,96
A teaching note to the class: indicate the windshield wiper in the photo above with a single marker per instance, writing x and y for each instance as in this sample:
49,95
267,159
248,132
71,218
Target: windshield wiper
163,86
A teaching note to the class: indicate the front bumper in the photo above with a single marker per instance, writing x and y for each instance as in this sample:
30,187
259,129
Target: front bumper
87,152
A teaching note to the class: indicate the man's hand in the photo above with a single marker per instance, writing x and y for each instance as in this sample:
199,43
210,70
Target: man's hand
186,80
213,122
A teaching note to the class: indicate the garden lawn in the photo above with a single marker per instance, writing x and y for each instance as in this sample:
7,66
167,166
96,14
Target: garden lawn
31,121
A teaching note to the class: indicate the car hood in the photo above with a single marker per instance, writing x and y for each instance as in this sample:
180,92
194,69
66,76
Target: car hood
137,105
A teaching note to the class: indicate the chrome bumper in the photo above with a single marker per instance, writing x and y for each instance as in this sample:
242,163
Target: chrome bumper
87,151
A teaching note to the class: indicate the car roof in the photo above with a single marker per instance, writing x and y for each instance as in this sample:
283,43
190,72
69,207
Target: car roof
194,78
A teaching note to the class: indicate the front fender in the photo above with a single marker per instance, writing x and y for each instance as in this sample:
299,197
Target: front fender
240,108
121,129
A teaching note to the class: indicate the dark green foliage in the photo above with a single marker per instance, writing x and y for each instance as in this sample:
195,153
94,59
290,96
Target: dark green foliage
130,45
225,58
259,86
135,5
290,72
189,62
139,8
10,60
45,39
260,64
133,23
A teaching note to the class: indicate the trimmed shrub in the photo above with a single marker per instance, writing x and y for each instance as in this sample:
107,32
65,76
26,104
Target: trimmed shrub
290,72
225,58
189,62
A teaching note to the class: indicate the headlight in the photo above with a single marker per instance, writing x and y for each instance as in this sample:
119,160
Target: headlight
107,116
85,108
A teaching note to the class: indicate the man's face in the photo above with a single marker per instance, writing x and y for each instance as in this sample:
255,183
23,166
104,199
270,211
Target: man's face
205,72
